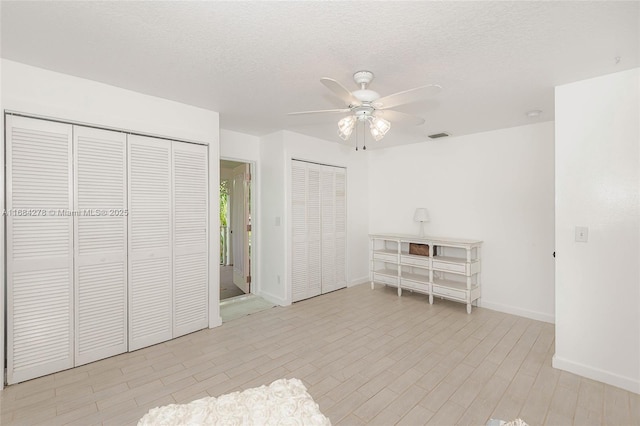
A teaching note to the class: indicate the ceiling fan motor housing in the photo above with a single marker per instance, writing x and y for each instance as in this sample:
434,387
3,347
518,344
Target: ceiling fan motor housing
363,112
364,95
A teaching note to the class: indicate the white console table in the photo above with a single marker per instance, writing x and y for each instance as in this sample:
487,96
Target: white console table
450,271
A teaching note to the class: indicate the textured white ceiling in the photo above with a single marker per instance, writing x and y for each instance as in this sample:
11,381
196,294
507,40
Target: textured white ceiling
255,61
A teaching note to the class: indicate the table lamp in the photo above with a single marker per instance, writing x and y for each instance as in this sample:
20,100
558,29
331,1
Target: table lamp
421,215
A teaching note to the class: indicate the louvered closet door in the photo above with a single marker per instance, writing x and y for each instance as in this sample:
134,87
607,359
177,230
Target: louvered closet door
150,242
100,244
314,259
328,220
340,222
306,250
299,274
39,248
333,188
190,254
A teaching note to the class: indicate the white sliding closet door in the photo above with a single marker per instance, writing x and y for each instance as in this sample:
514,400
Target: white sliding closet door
190,254
39,248
150,242
100,244
306,231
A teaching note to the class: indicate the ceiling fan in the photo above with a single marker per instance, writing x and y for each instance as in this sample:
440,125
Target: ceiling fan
367,107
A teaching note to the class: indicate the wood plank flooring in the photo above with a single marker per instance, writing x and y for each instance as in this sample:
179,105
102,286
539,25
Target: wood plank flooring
367,357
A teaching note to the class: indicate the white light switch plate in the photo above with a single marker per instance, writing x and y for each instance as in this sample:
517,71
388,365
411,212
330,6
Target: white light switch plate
582,234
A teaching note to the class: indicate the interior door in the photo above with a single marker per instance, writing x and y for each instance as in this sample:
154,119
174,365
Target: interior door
39,223
191,239
239,227
340,228
306,253
328,226
333,188
150,242
100,244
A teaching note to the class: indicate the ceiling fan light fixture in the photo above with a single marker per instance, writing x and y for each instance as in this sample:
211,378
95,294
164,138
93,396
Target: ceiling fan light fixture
379,127
345,127
366,106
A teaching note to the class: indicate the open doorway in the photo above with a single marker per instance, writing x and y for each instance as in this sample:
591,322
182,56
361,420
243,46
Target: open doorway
235,229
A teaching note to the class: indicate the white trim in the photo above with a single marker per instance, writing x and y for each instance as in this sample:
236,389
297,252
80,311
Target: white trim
3,286
535,315
215,319
603,376
286,229
3,240
274,299
99,126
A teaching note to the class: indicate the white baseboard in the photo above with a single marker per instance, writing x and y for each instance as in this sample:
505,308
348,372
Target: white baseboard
603,376
538,316
358,281
273,299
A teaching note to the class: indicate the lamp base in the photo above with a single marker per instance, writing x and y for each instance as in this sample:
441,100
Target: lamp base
422,234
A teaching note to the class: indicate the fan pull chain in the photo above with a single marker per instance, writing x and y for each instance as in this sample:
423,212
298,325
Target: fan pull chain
364,137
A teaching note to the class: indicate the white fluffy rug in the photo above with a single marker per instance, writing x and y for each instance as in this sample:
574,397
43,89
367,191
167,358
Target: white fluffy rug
283,402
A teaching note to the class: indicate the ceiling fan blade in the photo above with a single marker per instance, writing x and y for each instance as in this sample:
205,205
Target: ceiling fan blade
407,96
340,91
320,111
399,117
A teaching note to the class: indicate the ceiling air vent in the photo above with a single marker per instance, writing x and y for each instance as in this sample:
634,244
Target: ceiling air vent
438,135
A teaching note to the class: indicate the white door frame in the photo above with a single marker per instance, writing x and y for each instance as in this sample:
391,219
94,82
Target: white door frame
254,186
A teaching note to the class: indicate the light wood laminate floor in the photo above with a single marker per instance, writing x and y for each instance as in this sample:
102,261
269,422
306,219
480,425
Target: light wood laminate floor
367,357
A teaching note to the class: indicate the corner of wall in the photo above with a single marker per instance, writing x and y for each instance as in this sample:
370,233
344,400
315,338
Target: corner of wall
358,281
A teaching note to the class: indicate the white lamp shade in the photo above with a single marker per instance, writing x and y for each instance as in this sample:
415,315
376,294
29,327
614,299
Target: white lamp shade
421,215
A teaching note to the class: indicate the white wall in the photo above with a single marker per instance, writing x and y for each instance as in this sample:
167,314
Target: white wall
37,91
40,92
495,186
277,150
239,146
598,186
271,220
